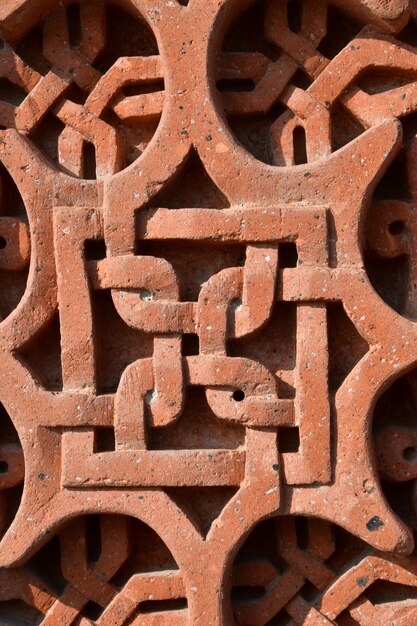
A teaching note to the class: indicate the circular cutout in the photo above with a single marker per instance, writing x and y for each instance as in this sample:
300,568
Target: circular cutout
11,471
14,244
271,57
270,586
389,252
238,395
396,228
104,559
108,103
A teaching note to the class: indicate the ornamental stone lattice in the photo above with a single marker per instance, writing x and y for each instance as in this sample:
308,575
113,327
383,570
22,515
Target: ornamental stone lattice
208,299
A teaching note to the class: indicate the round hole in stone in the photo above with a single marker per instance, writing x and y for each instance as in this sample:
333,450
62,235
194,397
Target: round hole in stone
3,243
4,467
410,454
238,395
397,227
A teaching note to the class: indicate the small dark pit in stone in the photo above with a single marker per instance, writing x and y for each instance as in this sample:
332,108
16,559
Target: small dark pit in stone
374,523
238,395
396,228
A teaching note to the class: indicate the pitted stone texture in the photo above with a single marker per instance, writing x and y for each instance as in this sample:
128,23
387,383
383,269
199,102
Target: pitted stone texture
208,308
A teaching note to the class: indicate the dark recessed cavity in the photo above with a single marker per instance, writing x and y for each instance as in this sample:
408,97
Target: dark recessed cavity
397,227
410,454
289,439
238,395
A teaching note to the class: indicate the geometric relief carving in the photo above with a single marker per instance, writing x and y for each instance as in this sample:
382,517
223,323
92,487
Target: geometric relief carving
208,312
299,570
116,558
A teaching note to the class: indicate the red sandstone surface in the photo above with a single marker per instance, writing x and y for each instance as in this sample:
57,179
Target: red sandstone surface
208,303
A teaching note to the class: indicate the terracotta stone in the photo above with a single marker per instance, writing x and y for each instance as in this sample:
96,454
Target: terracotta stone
208,300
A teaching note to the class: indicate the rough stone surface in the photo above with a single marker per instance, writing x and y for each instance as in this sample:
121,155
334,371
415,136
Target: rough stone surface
208,295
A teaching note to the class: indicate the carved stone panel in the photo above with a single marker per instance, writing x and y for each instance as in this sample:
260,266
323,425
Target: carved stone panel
208,312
